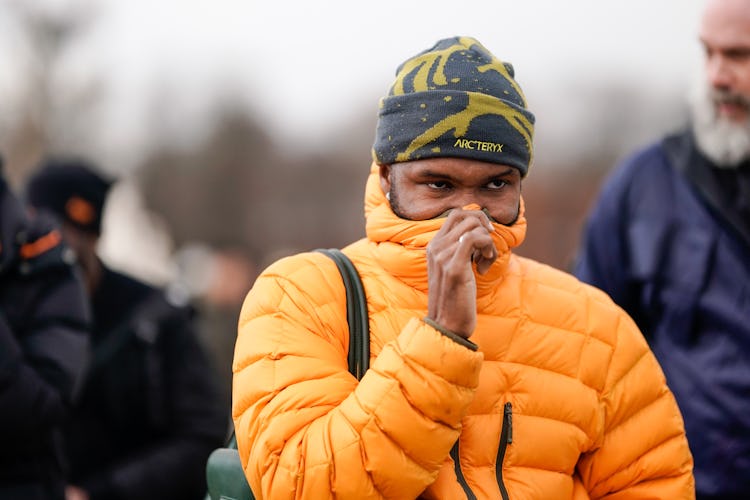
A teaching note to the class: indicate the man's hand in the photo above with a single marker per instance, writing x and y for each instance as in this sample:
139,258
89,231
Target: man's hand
464,239
75,493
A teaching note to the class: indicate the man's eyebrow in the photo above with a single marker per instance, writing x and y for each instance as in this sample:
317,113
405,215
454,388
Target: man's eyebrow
736,48
433,173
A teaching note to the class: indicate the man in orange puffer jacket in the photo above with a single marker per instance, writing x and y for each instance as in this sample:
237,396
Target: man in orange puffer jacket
491,376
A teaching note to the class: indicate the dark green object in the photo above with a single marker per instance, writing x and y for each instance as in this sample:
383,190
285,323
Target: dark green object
224,474
226,480
356,313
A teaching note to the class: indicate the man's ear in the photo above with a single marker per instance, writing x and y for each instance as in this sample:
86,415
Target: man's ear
385,178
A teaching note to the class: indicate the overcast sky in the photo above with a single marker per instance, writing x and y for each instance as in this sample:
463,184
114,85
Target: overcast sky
305,66
310,64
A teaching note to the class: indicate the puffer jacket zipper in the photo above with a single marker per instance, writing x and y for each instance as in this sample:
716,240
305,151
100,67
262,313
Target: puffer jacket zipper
506,438
459,473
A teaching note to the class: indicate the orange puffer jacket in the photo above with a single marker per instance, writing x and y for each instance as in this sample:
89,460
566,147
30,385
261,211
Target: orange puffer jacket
562,400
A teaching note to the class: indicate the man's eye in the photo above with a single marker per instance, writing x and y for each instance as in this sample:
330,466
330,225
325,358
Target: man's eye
739,54
438,185
497,184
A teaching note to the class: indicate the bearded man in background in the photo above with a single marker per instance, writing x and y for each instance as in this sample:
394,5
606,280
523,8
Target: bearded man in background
669,240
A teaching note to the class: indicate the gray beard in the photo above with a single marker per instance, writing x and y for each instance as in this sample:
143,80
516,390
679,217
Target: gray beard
725,143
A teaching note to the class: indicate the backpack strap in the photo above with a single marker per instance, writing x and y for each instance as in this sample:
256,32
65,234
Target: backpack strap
356,312
224,473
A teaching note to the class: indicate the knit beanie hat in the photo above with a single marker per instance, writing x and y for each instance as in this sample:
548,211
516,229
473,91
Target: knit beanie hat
455,100
71,190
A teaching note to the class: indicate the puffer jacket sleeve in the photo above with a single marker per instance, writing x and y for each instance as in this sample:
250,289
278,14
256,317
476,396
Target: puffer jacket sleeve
643,451
306,428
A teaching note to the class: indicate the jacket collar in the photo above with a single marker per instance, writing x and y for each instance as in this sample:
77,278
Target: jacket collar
713,184
400,244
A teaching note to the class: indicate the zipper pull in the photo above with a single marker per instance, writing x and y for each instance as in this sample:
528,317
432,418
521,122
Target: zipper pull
509,421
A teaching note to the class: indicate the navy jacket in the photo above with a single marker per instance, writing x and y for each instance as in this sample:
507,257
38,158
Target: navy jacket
43,350
667,241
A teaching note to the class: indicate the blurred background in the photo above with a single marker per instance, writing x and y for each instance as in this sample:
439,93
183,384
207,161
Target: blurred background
240,130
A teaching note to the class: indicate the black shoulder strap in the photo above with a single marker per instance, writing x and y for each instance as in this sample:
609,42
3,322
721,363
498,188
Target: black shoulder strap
356,312
356,317
359,361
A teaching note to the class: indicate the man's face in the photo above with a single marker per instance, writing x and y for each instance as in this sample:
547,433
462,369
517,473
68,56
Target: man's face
82,243
725,35
424,189
721,105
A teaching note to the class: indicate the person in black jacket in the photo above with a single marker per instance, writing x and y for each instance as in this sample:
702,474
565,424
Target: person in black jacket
150,412
43,349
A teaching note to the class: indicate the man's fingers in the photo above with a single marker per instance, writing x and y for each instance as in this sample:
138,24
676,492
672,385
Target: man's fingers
458,217
467,236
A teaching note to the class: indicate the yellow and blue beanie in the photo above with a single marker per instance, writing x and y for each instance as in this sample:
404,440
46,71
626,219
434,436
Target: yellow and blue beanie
455,99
